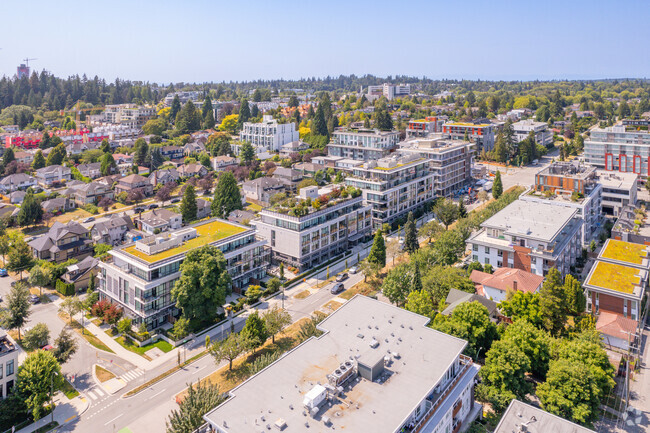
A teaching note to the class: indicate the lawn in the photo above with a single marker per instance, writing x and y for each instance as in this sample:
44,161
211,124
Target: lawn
302,295
331,306
614,277
140,350
624,251
206,233
361,288
253,207
69,216
102,374
69,390
94,341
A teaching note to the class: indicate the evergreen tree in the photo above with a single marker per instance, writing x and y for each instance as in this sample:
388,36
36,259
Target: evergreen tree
383,120
500,151
57,155
226,196
188,119
108,164
462,211
552,302
254,331
200,399
175,108
141,150
417,278
155,157
207,107
255,112
497,186
574,295
244,113
319,124
257,96
105,146
208,120
30,211
188,205
247,152
377,253
45,141
8,156
39,160
411,244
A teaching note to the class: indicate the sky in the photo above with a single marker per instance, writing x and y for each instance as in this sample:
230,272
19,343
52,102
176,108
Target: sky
239,40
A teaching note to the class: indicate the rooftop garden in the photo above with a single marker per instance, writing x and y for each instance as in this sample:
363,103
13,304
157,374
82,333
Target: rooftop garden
639,221
206,234
618,278
295,206
624,251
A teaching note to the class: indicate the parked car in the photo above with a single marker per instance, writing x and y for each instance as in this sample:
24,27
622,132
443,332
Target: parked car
153,206
176,200
337,288
89,220
354,269
34,299
3,272
138,209
342,277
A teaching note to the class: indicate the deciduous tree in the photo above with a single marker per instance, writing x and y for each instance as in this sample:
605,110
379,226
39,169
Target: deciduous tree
37,337
65,346
37,372
275,320
254,331
200,399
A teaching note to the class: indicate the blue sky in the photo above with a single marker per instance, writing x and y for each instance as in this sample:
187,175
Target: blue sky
212,40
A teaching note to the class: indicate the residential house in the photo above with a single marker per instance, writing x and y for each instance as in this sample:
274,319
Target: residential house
495,286
220,163
24,157
63,242
293,147
457,297
8,364
8,211
291,178
191,170
134,182
57,205
77,148
241,216
124,163
112,231
80,273
92,170
308,168
164,177
172,152
17,197
109,180
92,193
53,175
203,208
193,148
14,182
159,220
261,190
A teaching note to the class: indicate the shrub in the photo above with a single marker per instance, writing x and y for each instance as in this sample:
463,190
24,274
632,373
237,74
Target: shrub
66,289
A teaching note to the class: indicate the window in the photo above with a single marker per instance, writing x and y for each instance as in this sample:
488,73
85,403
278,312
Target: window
475,247
475,258
10,367
487,250
0,371
499,253
272,238
499,263
487,260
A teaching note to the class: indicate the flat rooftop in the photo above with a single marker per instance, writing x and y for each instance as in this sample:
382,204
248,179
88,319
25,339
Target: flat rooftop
625,253
535,420
568,169
277,392
617,180
207,233
617,278
532,219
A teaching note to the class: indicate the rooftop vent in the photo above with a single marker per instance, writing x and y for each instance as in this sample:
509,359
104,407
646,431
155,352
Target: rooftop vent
374,343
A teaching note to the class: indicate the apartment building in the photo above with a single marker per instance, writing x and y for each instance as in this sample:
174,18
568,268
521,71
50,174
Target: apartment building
362,144
529,235
194,96
390,91
129,115
373,369
632,225
268,135
318,233
139,276
426,126
8,364
572,185
618,149
619,190
393,186
450,161
480,131
523,128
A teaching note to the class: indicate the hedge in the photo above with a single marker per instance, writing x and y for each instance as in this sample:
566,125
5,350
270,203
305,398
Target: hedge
66,289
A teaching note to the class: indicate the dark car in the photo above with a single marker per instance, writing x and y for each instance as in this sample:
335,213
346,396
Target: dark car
176,200
153,206
138,209
34,299
337,288
89,220
342,277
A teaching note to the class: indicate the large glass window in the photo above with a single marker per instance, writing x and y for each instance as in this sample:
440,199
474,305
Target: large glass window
10,367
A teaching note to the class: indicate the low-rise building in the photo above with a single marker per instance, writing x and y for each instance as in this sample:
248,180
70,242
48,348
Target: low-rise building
92,193
481,132
316,234
268,135
139,276
495,286
221,163
619,190
425,127
523,128
390,91
24,157
159,220
8,364
81,273
112,231
91,170
261,190
172,152
617,149
193,148
57,205
130,115
362,144
132,183
457,297
293,147
17,197
372,370
531,236
192,170
164,177
63,242
632,226
394,186
15,182
53,175
522,417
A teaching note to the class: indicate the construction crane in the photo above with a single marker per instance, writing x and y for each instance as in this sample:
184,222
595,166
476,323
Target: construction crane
26,60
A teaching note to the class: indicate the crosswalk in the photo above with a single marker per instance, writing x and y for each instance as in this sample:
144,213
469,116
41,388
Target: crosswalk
131,375
96,393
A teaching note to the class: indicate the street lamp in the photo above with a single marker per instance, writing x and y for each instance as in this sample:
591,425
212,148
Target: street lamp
54,373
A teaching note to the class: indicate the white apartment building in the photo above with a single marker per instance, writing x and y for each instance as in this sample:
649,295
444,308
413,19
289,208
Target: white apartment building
450,161
362,144
8,364
140,275
268,135
128,115
393,186
529,235
390,91
619,190
308,240
617,149
376,368
543,136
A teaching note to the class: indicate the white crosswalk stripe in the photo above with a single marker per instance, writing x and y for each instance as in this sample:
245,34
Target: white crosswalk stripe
91,395
128,376
98,391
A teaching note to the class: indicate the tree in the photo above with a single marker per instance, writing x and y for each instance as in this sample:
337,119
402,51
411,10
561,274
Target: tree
383,120
155,156
70,306
305,183
203,285
37,372
175,108
398,283
319,123
39,276
430,230
470,321
420,302
39,161
448,247
188,119
247,152
188,205
226,196
155,127
17,312
497,186
198,401
141,151
439,280
105,146
20,257
165,193
535,343
377,253
504,375
411,243
244,112
446,211
45,141
592,245
5,247
181,328
522,305
275,320
552,302
57,155
574,295
8,156
462,211
228,349
254,331
108,165
36,337
229,123
65,346
124,325
30,212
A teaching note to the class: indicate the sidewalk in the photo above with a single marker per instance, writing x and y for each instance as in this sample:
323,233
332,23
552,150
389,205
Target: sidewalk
65,411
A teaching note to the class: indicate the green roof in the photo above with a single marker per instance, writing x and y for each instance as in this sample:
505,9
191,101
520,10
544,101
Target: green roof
206,233
618,278
624,251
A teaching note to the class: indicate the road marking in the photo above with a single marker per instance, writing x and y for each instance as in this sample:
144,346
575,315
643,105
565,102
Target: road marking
98,391
114,419
200,369
127,376
158,393
91,395
71,418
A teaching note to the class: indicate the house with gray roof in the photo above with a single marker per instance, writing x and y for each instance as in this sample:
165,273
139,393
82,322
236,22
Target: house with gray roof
159,220
63,242
92,193
457,297
57,205
164,177
15,182
92,170
112,231
53,175
80,273
522,417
